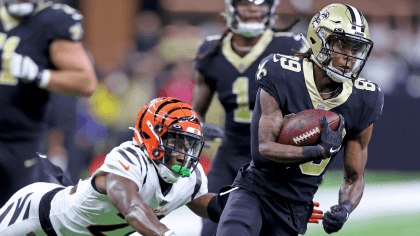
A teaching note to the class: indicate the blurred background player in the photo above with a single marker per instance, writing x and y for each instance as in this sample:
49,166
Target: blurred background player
140,182
273,195
41,53
227,65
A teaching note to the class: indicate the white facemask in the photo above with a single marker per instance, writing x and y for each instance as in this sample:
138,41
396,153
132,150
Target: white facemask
250,29
20,9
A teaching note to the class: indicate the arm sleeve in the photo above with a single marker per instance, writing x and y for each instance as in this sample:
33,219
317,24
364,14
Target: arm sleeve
202,65
377,109
265,77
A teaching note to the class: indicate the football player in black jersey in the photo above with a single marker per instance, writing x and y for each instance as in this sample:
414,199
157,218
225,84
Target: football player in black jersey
273,194
41,53
227,64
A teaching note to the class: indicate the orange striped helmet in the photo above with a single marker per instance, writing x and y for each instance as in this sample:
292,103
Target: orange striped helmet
167,127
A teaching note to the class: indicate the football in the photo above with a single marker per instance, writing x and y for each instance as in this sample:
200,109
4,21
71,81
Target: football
304,128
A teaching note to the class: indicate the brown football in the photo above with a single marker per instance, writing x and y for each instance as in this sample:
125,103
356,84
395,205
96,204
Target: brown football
304,128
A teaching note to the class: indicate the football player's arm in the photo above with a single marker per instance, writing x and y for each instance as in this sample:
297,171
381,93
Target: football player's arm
75,75
206,207
124,195
270,124
355,158
351,191
202,96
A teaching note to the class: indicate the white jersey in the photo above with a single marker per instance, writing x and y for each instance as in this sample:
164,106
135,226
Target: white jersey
81,210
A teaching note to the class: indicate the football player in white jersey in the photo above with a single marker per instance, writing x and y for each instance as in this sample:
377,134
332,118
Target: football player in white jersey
139,183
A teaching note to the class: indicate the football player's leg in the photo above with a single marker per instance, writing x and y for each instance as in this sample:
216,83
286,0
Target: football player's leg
218,176
242,215
20,215
19,167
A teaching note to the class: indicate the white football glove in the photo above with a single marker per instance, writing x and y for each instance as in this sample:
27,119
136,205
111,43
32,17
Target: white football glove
27,71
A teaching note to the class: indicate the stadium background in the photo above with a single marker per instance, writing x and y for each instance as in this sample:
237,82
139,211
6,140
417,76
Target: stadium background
144,49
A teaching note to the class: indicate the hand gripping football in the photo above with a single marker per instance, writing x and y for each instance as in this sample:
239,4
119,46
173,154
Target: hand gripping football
304,128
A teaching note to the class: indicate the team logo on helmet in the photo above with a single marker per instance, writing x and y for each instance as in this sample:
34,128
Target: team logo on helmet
322,14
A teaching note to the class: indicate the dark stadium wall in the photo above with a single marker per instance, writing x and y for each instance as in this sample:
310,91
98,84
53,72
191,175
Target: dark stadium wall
395,142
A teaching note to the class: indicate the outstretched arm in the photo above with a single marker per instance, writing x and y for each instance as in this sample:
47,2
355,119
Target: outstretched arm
123,193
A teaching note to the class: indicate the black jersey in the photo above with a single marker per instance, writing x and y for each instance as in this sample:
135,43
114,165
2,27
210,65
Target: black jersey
289,80
24,107
232,77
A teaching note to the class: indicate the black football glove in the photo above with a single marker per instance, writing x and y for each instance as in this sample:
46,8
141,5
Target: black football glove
333,221
210,131
331,140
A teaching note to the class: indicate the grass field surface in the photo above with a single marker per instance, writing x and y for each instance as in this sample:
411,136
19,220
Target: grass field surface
390,207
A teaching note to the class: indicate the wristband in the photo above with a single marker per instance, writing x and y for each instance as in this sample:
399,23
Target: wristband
44,78
313,152
348,205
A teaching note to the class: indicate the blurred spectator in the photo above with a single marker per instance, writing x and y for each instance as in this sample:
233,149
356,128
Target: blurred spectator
147,30
180,40
180,83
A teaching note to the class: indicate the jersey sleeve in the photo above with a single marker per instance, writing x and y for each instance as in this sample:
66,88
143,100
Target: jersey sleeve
202,64
67,23
126,162
374,103
378,107
265,77
200,187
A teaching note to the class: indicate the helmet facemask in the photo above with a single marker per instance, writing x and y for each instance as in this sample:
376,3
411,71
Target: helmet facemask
234,8
181,150
354,49
21,10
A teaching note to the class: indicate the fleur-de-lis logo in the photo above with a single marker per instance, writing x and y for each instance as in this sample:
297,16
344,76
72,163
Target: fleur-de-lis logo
322,14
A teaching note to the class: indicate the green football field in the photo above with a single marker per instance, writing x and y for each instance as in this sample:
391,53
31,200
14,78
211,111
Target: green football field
382,225
405,222
390,207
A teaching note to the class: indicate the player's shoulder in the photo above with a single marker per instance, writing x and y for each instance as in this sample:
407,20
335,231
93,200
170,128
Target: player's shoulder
370,92
208,43
278,66
287,38
57,12
127,153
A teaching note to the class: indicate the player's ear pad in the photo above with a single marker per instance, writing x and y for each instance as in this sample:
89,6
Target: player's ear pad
222,200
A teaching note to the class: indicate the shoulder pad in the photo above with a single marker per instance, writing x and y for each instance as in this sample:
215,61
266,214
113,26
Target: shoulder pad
64,21
208,44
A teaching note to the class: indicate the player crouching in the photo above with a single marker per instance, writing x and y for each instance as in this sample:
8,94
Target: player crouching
139,183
